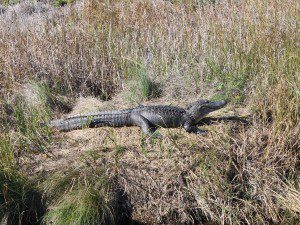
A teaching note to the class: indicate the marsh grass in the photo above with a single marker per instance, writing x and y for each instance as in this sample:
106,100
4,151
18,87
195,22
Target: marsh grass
140,86
82,196
20,201
83,206
25,113
59,3
245,51
224,177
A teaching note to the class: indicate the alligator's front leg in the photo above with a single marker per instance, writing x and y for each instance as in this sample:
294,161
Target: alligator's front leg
190,128
143,123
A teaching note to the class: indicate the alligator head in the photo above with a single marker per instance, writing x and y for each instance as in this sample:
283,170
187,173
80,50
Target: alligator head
201,108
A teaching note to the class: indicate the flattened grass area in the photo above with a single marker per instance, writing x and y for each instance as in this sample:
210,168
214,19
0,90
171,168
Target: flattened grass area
59,58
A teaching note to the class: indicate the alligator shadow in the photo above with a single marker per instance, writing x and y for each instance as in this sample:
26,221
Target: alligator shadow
210,120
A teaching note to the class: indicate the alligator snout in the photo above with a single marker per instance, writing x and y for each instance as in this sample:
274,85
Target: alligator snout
217,104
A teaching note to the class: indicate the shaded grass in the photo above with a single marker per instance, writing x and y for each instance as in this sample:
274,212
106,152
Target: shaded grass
21,135
59,3
20,201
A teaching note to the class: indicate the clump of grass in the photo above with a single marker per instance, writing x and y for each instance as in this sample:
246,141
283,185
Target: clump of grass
7,156
10,2
20,201
20,135
27,112
82,197
60,3
84,206
141,87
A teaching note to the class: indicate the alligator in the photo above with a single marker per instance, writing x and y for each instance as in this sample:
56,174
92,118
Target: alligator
148,118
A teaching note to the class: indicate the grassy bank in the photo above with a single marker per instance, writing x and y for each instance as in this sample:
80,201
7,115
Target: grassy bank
126,52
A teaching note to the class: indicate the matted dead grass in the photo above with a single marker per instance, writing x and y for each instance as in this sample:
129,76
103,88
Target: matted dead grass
70,145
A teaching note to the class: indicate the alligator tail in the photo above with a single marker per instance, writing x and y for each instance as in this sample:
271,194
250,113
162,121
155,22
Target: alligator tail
70,123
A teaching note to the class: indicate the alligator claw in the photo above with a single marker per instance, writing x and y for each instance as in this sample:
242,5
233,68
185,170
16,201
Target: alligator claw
202,132
156,135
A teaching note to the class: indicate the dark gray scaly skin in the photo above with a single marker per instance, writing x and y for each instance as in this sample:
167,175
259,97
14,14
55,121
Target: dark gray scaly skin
148,118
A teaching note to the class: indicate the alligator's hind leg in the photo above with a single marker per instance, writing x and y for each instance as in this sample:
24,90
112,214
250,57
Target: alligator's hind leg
143,123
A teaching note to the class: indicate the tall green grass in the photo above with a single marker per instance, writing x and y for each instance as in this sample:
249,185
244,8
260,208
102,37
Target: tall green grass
141,87
25,115
86,205
82,196
21,134
20,201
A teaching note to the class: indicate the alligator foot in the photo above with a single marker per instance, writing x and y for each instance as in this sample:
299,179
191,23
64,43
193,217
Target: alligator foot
156,135
201,132
194,129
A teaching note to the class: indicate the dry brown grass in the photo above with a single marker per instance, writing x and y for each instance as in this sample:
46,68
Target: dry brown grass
239,173
247,51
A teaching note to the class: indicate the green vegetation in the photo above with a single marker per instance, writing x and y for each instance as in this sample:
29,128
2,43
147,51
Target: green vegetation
20,201
86,198
142,88
84,206
9,2
244,51
25,113
60,3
